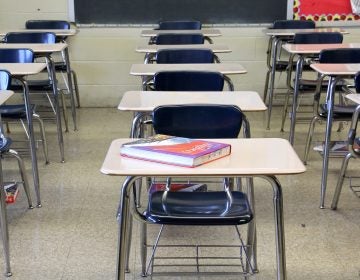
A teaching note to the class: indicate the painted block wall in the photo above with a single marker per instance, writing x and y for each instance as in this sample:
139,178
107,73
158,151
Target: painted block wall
102,56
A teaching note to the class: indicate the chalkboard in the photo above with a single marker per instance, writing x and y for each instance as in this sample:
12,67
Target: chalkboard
152,11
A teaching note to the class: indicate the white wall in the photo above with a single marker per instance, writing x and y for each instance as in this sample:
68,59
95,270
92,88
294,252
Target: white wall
102,56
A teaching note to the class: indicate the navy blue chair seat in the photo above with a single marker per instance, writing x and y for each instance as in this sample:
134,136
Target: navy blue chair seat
185,56
14,111
199,208
188,81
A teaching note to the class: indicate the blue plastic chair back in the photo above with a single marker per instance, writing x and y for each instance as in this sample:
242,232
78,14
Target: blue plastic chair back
16,56
293,24
185,56
30,37
47,24
198,120
179,39
5,79
350,55
180,25
188,81
318,38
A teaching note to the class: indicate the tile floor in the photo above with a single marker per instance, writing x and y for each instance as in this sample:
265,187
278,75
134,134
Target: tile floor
74,234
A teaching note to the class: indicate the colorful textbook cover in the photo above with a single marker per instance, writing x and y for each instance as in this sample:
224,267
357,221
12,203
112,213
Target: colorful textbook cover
175,150
11,192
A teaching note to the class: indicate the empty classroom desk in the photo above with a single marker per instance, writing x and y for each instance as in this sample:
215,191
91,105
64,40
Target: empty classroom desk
146,101
335,72
304,50
275,40
58,32
146,70
151,50
206,32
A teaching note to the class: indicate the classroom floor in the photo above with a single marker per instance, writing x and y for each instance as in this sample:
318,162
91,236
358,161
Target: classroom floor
74,234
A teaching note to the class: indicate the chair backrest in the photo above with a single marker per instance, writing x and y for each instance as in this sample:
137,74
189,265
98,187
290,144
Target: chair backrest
179,39
47,24
293,24
180,25
185,56
357,82
5,79
348,55
188,81
198,120
30,37
16,56
318,38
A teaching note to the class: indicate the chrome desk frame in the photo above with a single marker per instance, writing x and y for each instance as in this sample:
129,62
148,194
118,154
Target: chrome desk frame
125,224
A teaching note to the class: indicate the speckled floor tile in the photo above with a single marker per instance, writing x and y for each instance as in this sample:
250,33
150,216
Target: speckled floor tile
74,235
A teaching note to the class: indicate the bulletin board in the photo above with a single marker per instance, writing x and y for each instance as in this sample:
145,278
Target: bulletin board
325,10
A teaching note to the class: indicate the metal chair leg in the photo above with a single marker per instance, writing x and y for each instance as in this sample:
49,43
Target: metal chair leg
309,138
76,87
285,110
65,113
267,78
143,248
128,242
24,179
43,137
340,181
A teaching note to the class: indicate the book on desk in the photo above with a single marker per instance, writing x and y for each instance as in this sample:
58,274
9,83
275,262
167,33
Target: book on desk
175,150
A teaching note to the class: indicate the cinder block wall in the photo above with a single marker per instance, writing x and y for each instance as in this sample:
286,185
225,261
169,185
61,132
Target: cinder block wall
102,56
